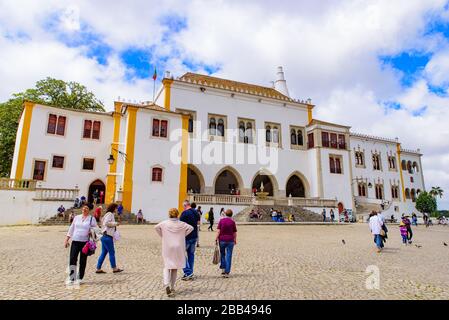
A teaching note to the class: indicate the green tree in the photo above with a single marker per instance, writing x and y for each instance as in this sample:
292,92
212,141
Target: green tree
58,93
426,202
436,192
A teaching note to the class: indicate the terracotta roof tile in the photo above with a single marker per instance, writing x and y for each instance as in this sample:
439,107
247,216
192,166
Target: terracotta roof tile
236,86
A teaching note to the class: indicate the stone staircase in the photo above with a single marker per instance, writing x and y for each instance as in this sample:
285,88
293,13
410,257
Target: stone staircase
363,209
301,214
126,218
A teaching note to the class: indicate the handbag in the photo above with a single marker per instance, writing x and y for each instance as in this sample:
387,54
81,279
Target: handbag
382,232
116,235
216,257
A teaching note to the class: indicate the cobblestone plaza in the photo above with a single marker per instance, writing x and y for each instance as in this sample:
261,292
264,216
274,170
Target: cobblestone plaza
270,262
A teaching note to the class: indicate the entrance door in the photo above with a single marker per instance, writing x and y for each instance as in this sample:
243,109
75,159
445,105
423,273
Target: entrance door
98,186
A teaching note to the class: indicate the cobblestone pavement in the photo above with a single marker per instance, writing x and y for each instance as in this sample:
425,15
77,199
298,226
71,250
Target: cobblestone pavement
270,262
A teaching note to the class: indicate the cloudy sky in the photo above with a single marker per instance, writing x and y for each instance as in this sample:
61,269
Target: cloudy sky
381,67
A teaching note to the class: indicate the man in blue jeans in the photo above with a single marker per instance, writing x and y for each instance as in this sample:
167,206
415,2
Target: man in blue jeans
191,217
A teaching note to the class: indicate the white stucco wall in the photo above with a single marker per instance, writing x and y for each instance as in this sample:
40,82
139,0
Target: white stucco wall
72,146
154,198
18,207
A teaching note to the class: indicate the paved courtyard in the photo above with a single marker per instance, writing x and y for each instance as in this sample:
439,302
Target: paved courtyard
270,262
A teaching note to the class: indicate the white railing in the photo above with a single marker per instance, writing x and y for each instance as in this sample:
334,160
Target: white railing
221,199
312,202
56,194
17,184
247,200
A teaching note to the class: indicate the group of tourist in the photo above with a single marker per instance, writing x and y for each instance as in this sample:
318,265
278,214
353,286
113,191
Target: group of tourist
81,232
179,236
379,229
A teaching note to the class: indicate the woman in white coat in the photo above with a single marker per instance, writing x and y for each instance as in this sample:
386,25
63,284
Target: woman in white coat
173,233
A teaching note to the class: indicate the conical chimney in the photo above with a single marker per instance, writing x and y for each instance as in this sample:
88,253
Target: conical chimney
280,84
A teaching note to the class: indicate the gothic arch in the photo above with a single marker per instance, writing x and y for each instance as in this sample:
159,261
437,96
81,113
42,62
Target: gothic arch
304,181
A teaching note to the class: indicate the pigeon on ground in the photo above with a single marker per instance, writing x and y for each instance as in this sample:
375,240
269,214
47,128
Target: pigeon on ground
418,246
343,241
445,244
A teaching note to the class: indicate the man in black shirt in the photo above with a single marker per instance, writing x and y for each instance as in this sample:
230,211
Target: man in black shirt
191,217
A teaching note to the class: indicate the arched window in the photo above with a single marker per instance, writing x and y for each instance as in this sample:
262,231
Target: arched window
268,134
156,174
379,192
293,137
407,193
220,128
362,189
413,195
409,167
249,133
415,167
241,131
404,165
212,127
275,135
300,138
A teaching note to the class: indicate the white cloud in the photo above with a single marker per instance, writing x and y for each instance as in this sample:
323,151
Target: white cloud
329,51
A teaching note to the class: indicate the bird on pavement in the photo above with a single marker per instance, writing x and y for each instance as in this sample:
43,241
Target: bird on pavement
445,244
418,246
343,241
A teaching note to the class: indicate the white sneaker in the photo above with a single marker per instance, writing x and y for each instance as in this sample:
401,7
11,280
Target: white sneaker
68,282
78,281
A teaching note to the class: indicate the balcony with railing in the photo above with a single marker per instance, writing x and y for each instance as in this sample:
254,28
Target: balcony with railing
248,200
17,184
45,194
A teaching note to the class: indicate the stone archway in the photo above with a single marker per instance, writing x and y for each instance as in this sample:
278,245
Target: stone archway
269,183
295,187
195,180
98,186
227,180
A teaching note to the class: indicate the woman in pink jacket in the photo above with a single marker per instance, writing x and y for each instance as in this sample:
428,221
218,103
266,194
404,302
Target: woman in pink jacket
173,233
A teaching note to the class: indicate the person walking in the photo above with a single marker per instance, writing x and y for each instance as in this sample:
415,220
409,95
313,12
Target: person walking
375,225
210,218
222,213
79,232
190,216
324,215
193,205
332,215
408,224
227,239
403,230
97,214
414,219
384,235
109,227
120,212
173,233
200,212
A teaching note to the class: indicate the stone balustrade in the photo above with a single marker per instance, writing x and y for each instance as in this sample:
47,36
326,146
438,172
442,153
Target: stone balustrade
248,200
17,184
47,194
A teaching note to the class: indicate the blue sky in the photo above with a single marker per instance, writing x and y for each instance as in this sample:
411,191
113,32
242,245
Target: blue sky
380,67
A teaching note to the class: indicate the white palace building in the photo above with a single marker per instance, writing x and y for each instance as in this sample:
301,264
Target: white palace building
207,139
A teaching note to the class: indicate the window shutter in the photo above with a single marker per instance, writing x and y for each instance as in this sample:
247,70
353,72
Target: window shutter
51,127
60,130
155,127
164,126
87,129
96,130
